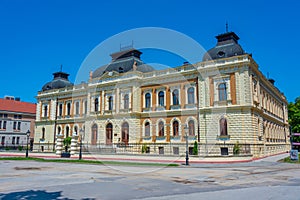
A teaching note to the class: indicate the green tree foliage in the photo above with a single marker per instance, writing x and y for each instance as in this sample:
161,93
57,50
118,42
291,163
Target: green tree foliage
67,143
236,148
195,148
294,115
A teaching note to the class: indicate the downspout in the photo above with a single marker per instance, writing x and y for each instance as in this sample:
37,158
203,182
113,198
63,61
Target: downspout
55,124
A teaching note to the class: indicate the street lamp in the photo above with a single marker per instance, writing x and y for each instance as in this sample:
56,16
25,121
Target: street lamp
81,132
27,134
186,129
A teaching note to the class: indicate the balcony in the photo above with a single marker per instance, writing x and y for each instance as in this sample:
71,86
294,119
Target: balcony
175,107
147,109
175,138
109,112
161,138
223,137
222,103
127,110
189,106
160,108
147,139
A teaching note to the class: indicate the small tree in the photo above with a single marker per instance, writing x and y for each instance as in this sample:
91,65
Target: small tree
236,148
67,143
144,148
195,148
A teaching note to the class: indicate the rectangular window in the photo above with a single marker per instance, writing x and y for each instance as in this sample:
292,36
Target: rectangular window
5,115
19,116
68,108
45,111
19,125
1,115
161,150
13,140
15,116
15,126
224,151
18,140
110,103
77,108
176,150
85,107
3,140
4,124
0,124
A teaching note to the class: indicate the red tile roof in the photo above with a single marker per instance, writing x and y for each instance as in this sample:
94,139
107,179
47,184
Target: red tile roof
17,106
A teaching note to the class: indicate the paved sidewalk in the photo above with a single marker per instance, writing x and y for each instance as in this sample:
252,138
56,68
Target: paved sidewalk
151,158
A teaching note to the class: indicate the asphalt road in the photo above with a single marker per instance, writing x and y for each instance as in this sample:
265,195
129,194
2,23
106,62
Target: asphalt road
264,179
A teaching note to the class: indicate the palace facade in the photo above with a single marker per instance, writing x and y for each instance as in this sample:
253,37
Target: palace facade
223,102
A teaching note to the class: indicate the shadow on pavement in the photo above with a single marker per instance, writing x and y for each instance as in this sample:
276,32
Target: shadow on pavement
33,195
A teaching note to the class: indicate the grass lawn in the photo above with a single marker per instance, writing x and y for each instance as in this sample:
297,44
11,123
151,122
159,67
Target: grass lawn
96,162
288,160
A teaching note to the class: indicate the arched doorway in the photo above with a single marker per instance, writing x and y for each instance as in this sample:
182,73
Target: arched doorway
125,133
94,134
109,133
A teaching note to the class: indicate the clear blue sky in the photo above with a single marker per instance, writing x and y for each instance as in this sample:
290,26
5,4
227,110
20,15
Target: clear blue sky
38,36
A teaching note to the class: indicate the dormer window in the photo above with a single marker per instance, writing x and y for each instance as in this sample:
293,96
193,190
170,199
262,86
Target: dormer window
221,54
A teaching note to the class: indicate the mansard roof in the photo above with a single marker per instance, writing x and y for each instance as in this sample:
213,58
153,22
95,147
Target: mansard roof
227,46
122,62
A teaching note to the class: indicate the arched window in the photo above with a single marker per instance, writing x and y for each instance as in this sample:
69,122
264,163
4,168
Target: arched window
58,130
125,133
222,92
223,126
191,95
148,100
68,108
147,129
161,98
77,108
110,103
191,127
96,104
67,131
161,129
94,134
75,130
43,133
175,128
126,101
60,110
175,95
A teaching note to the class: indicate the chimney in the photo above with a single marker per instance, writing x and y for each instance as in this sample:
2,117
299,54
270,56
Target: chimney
271,81
134,67
91,75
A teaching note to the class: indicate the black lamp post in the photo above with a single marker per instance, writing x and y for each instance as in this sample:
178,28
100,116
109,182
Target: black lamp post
186,129
81,132
27,134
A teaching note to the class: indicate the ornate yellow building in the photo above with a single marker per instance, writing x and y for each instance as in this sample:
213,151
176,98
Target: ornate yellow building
224,103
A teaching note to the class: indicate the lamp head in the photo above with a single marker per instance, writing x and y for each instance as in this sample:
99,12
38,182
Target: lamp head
28,133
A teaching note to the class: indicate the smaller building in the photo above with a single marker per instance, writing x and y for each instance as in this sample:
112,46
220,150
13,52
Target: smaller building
16,118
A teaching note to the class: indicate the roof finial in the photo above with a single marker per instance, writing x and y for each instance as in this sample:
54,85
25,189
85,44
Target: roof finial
61,68
226,27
